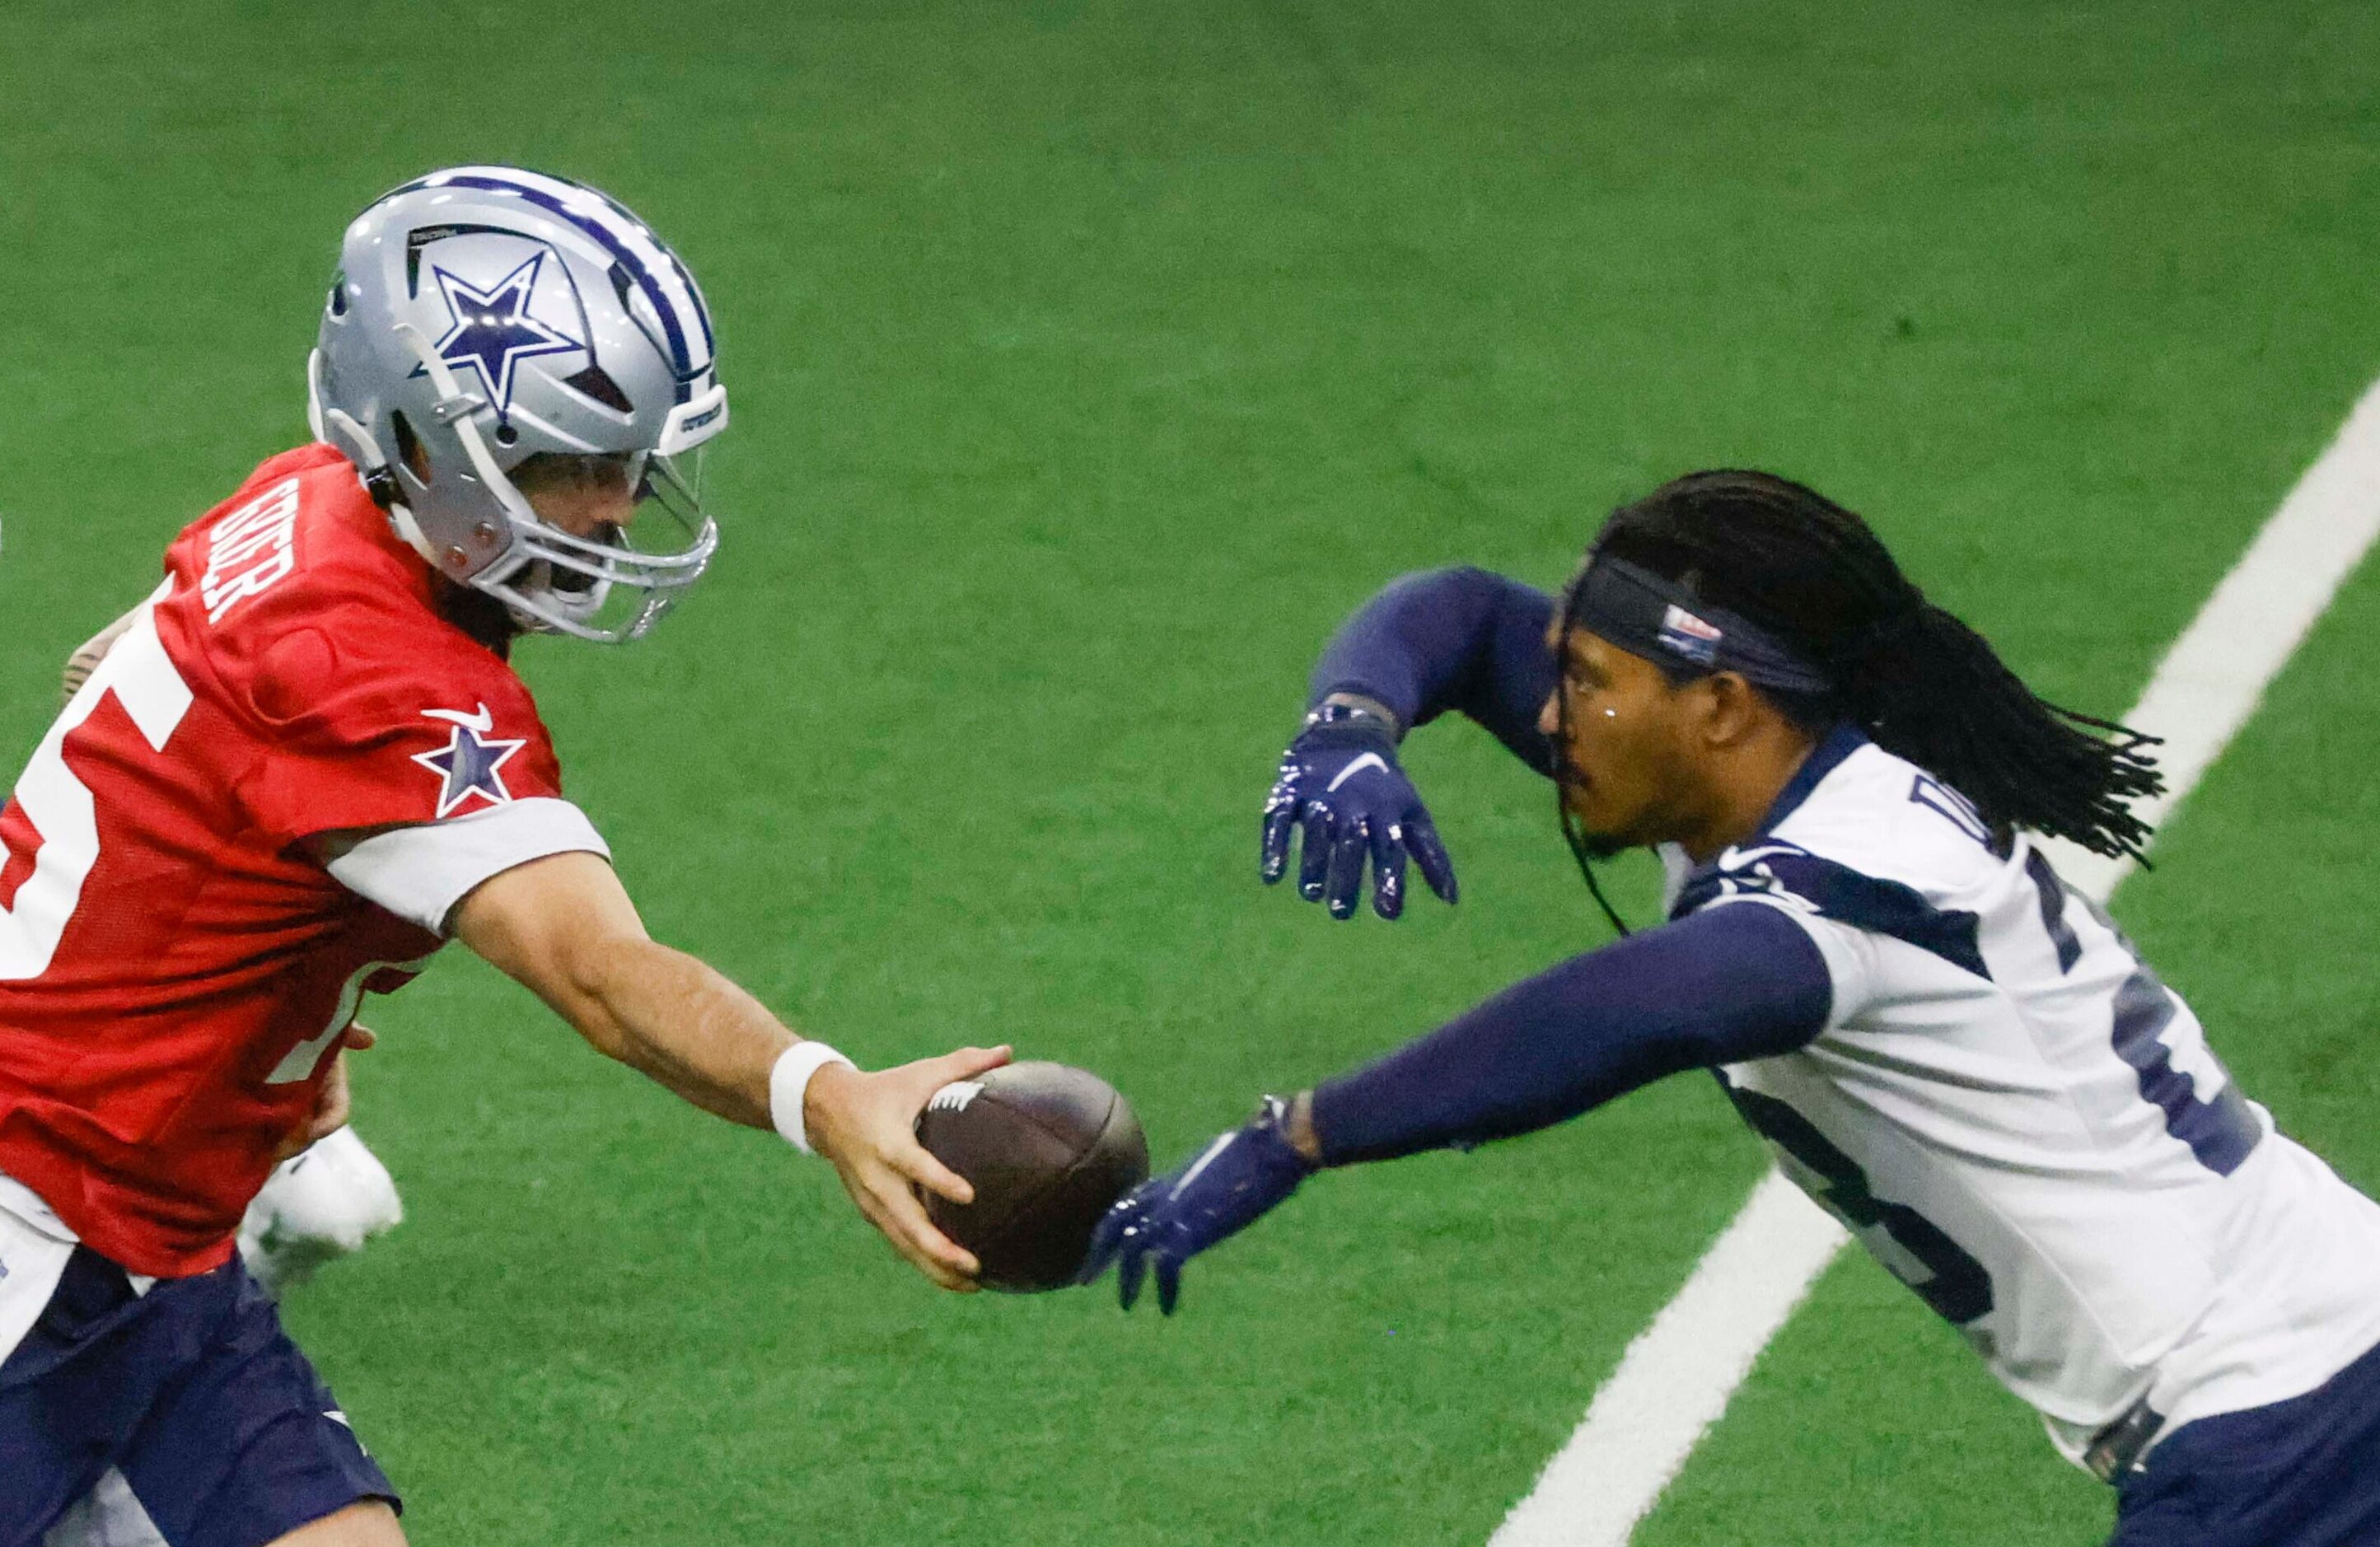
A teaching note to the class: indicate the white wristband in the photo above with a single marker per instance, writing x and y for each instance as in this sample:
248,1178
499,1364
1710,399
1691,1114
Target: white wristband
789,1080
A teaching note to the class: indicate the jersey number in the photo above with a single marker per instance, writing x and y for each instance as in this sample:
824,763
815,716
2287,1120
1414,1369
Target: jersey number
2165,1047
299,1061
59,806
61,810
1940,1270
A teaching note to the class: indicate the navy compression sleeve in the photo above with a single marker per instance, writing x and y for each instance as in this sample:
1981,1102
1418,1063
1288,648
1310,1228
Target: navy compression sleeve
1736,982
1458,639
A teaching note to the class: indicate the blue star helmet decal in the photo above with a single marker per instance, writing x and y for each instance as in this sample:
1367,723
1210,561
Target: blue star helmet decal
471,761
494,329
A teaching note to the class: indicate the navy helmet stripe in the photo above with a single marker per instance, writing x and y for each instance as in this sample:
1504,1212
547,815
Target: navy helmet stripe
693,292
628,258
701,312
683,358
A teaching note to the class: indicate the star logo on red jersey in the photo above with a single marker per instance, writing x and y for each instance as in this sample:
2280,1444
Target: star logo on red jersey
471,761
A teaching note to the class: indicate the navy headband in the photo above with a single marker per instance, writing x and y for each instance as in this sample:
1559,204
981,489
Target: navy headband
1663,622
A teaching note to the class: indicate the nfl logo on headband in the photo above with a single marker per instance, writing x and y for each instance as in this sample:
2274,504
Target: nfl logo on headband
1684,633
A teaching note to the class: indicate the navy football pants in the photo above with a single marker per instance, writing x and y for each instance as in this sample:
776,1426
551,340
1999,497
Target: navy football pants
192,1392
2300,1473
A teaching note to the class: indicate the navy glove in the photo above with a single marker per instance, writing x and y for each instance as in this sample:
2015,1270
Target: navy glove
1234,1182
1339,782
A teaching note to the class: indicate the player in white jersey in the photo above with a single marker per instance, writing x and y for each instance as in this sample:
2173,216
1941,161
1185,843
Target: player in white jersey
1961,1059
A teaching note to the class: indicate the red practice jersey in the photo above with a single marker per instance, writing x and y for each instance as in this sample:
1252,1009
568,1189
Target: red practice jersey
176,960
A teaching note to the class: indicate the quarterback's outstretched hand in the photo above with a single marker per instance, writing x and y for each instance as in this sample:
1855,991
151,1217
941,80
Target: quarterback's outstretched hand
1340,783
1235,1181
866,1124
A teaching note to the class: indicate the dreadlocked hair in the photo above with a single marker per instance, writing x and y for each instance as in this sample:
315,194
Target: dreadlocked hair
1923,685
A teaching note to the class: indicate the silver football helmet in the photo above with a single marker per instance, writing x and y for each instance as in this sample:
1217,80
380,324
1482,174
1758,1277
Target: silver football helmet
484,315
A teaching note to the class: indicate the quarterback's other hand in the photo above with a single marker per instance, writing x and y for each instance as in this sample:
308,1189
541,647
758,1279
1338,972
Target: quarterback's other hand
316,1207
867,1125
1340,783
333,1103
1168,1220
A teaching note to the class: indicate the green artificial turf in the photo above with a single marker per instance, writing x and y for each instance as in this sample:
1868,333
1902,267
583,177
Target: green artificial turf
1089,362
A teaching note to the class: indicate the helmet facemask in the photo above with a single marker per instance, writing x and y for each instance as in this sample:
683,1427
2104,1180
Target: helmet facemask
615,582
610,585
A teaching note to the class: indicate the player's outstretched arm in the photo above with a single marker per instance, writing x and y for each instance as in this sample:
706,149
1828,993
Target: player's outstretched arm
1458,639
1728,984
563,926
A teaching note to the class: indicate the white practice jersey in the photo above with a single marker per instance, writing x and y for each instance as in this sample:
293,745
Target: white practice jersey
2026,1126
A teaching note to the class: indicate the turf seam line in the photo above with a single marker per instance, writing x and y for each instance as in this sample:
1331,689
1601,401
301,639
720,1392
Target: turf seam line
1675,1380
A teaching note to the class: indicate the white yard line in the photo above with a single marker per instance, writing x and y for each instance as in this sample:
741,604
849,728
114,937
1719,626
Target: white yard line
1675,1380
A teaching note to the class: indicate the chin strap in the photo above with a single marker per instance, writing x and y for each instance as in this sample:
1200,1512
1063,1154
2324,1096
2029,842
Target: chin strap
371,462
401,519
454,410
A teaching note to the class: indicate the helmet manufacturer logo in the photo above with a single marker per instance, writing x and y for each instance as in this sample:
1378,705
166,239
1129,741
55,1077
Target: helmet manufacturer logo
494,329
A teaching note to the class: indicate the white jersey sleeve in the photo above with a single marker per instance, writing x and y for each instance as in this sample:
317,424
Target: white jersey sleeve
418,873
2020,1120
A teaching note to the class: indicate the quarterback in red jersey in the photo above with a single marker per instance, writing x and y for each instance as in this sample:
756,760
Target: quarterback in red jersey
293,680
298,767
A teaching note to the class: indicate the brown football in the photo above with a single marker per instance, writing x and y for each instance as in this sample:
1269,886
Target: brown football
1048,1147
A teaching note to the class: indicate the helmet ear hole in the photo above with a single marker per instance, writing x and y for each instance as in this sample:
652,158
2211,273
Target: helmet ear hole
408,447
597,382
